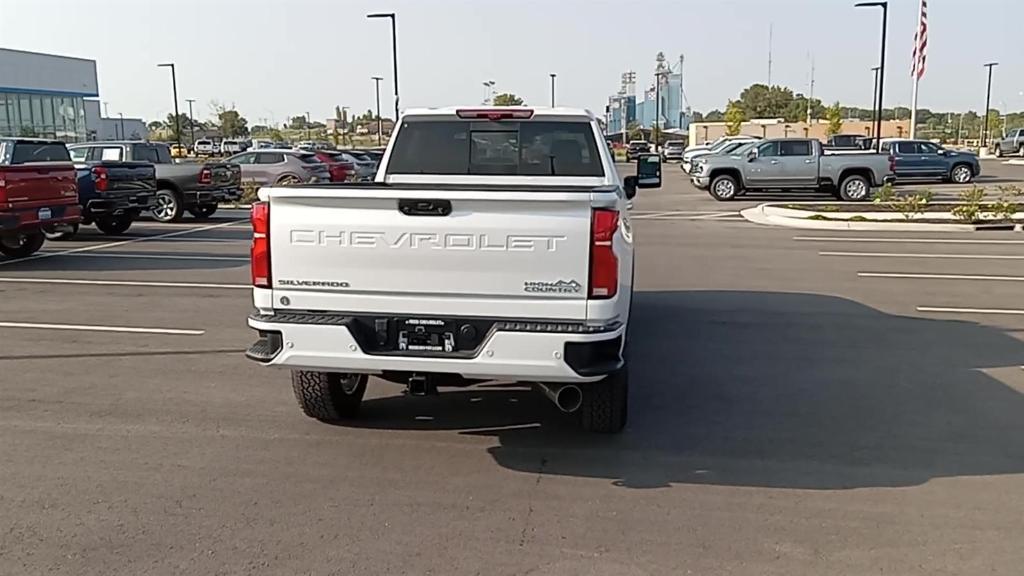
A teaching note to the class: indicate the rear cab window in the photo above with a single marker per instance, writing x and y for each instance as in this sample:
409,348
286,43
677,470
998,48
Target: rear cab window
448,146
153,153
34,152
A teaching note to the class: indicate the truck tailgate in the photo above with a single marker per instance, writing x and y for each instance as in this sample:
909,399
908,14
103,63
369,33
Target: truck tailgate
486,253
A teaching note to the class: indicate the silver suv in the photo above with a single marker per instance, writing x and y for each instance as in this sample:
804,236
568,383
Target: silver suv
281,167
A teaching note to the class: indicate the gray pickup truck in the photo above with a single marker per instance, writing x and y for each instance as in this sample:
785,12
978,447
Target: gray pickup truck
1012,143
193,186
793,164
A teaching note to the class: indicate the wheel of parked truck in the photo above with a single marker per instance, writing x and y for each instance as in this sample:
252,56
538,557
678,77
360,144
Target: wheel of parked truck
328,396
21,245
203,210
1020,150
606,403
854,188
288,180
63,233
167,206
723,188
114,225
997,151
961,174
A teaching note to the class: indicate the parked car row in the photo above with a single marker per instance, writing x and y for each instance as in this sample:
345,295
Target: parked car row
282,166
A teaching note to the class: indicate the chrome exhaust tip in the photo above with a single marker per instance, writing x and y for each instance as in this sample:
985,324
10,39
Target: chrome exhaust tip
568,397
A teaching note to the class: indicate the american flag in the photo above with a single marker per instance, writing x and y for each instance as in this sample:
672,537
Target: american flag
920,43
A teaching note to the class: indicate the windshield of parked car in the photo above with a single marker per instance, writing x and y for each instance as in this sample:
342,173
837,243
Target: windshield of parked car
529,148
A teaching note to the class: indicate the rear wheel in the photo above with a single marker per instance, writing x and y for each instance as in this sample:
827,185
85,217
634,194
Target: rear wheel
167,206
203,210
723,188
288,180
21,245
998,151
606,403
1020,150
61,233
114,225
328,396
854,188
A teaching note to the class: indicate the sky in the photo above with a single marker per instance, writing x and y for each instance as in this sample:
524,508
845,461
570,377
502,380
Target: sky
273,59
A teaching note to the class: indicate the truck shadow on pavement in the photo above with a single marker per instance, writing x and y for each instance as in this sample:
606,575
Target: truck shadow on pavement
766,389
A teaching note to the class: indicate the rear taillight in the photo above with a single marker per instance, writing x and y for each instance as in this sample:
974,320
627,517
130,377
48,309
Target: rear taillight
604,264
206,176
260,265
3,190
101,178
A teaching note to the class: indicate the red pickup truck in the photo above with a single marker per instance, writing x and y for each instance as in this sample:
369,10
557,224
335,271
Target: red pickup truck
38,188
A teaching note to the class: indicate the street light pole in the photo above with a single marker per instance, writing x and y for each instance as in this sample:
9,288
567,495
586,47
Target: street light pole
874,99
988,100
881,72
121,115
191,122
174,89
553,75
376,82
106,109
394,51
308,122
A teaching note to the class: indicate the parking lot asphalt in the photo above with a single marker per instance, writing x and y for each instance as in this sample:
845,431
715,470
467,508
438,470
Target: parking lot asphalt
802,403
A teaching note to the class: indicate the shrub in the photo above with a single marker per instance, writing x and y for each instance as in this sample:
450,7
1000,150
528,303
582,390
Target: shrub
909,205
969,209
249,192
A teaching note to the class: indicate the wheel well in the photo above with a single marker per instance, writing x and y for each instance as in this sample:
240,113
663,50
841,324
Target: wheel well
167,185
971,168
726,172
862,172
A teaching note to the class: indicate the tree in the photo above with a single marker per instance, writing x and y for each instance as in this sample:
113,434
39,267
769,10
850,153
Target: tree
232,124
507,99
298,122
155,125
172,126
834,114
634,132
734,118
715,115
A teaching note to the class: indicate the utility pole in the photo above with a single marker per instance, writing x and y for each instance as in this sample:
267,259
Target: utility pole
811,96
771,27
988,100
874,101
122,126
552,89
191,121
884,5
376,82
308,122
394,51
174,89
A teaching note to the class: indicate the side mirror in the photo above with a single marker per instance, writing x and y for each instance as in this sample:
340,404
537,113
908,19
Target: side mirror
648,171
629,187
752,155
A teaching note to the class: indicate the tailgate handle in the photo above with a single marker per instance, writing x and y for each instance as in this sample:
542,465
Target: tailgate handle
425,207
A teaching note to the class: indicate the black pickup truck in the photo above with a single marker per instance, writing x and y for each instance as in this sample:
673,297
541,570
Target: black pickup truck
112,194
193,186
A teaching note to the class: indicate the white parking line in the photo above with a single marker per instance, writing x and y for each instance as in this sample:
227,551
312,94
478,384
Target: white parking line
908,275
904,240
915,255
100,328
141,256
120,243
122,283
953,310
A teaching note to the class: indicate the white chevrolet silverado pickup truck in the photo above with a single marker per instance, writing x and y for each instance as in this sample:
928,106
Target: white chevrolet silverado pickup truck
494,245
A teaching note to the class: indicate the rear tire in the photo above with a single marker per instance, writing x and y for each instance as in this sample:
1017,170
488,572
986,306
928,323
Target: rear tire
114,225
21,245
203,211
328,396
606,403
62,234
998,151
168,206
1020,150
854,188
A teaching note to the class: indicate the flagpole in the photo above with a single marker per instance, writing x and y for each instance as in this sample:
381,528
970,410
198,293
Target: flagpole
917,75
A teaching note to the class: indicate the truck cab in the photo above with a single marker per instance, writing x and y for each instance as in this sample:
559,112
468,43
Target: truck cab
494,244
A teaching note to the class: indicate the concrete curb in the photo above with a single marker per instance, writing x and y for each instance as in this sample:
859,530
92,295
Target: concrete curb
1016,162
774,215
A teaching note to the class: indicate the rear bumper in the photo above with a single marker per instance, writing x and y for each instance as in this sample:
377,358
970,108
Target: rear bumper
120,204
212,196
29,220
503,355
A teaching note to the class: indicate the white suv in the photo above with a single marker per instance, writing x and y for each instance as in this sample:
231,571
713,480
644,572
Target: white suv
495,244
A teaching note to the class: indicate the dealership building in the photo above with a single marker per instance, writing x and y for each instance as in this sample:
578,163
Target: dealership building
47,96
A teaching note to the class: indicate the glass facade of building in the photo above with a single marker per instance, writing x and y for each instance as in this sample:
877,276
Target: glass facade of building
42,115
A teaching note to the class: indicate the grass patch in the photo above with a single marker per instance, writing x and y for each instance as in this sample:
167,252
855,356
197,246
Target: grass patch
857,218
